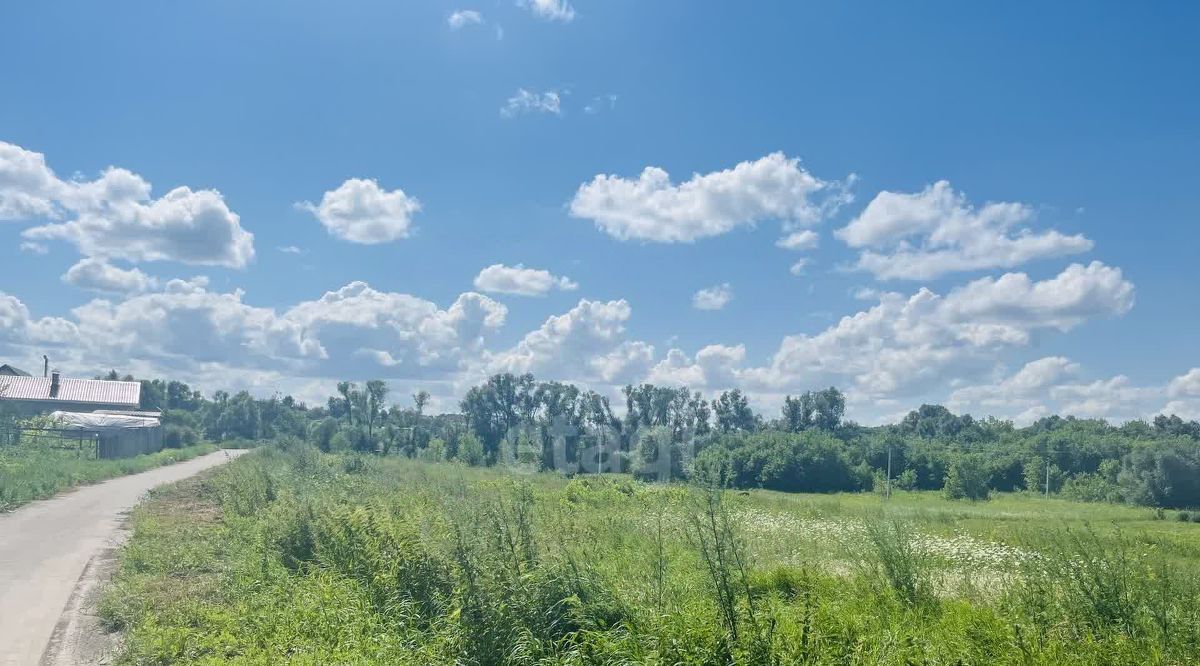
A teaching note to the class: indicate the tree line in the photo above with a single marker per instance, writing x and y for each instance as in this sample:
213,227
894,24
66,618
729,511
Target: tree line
672,433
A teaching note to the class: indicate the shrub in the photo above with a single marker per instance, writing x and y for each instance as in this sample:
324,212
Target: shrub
470,450
435,451
907,480
810,461
320,433
178,436
967,478
340,442
1092,488
1163,474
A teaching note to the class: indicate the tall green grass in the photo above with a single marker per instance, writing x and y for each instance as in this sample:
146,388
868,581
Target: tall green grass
304,558
29,472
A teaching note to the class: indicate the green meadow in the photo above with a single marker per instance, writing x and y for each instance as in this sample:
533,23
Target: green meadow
292,556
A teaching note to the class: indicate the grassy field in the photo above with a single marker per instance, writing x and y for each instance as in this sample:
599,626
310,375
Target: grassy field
303,558
29,472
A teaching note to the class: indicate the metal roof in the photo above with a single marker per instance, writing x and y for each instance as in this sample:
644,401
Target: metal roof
7,369
96,391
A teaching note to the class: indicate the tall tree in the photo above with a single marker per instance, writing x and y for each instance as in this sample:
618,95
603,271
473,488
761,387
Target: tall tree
420,399
733,412
798,412
829,406
377,390
345,389
498,406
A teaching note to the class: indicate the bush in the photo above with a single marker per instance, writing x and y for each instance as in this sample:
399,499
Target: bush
435,451
340,442
178,436
1163,474
320,433
1092,488
470,450
967,478
809,461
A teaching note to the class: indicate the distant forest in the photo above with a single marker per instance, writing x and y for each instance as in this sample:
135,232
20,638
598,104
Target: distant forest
674,434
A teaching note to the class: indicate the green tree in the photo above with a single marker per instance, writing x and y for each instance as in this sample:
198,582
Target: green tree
377,391
733,412
967,478
321,432
420,399
470,450
346,390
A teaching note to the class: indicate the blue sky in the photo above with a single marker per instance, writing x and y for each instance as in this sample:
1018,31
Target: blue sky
484,136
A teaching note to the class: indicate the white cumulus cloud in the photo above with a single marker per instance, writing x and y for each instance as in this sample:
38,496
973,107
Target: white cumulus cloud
586,344
464,17
188,330
1021,396
713,298
550,10
115,217
652,208
927,234
360,211
805,239
522,281
905,345
98,275
1184,394
714,366
1186,385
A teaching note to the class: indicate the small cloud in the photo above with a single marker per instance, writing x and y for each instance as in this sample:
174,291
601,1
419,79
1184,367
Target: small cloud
291,249
526,101
97,275
798,267
522,281
550,10
464,17
713,298
800,240
360,211
34,248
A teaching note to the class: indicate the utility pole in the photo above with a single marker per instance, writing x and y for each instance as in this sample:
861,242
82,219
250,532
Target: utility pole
889,473
1047,476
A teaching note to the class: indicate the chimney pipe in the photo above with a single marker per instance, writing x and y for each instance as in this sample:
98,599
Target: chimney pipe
45,365
54,384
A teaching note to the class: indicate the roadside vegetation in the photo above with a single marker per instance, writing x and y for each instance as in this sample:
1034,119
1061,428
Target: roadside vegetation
30,471
291,555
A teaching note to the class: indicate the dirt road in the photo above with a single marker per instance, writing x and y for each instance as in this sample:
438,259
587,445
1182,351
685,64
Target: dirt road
46,546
